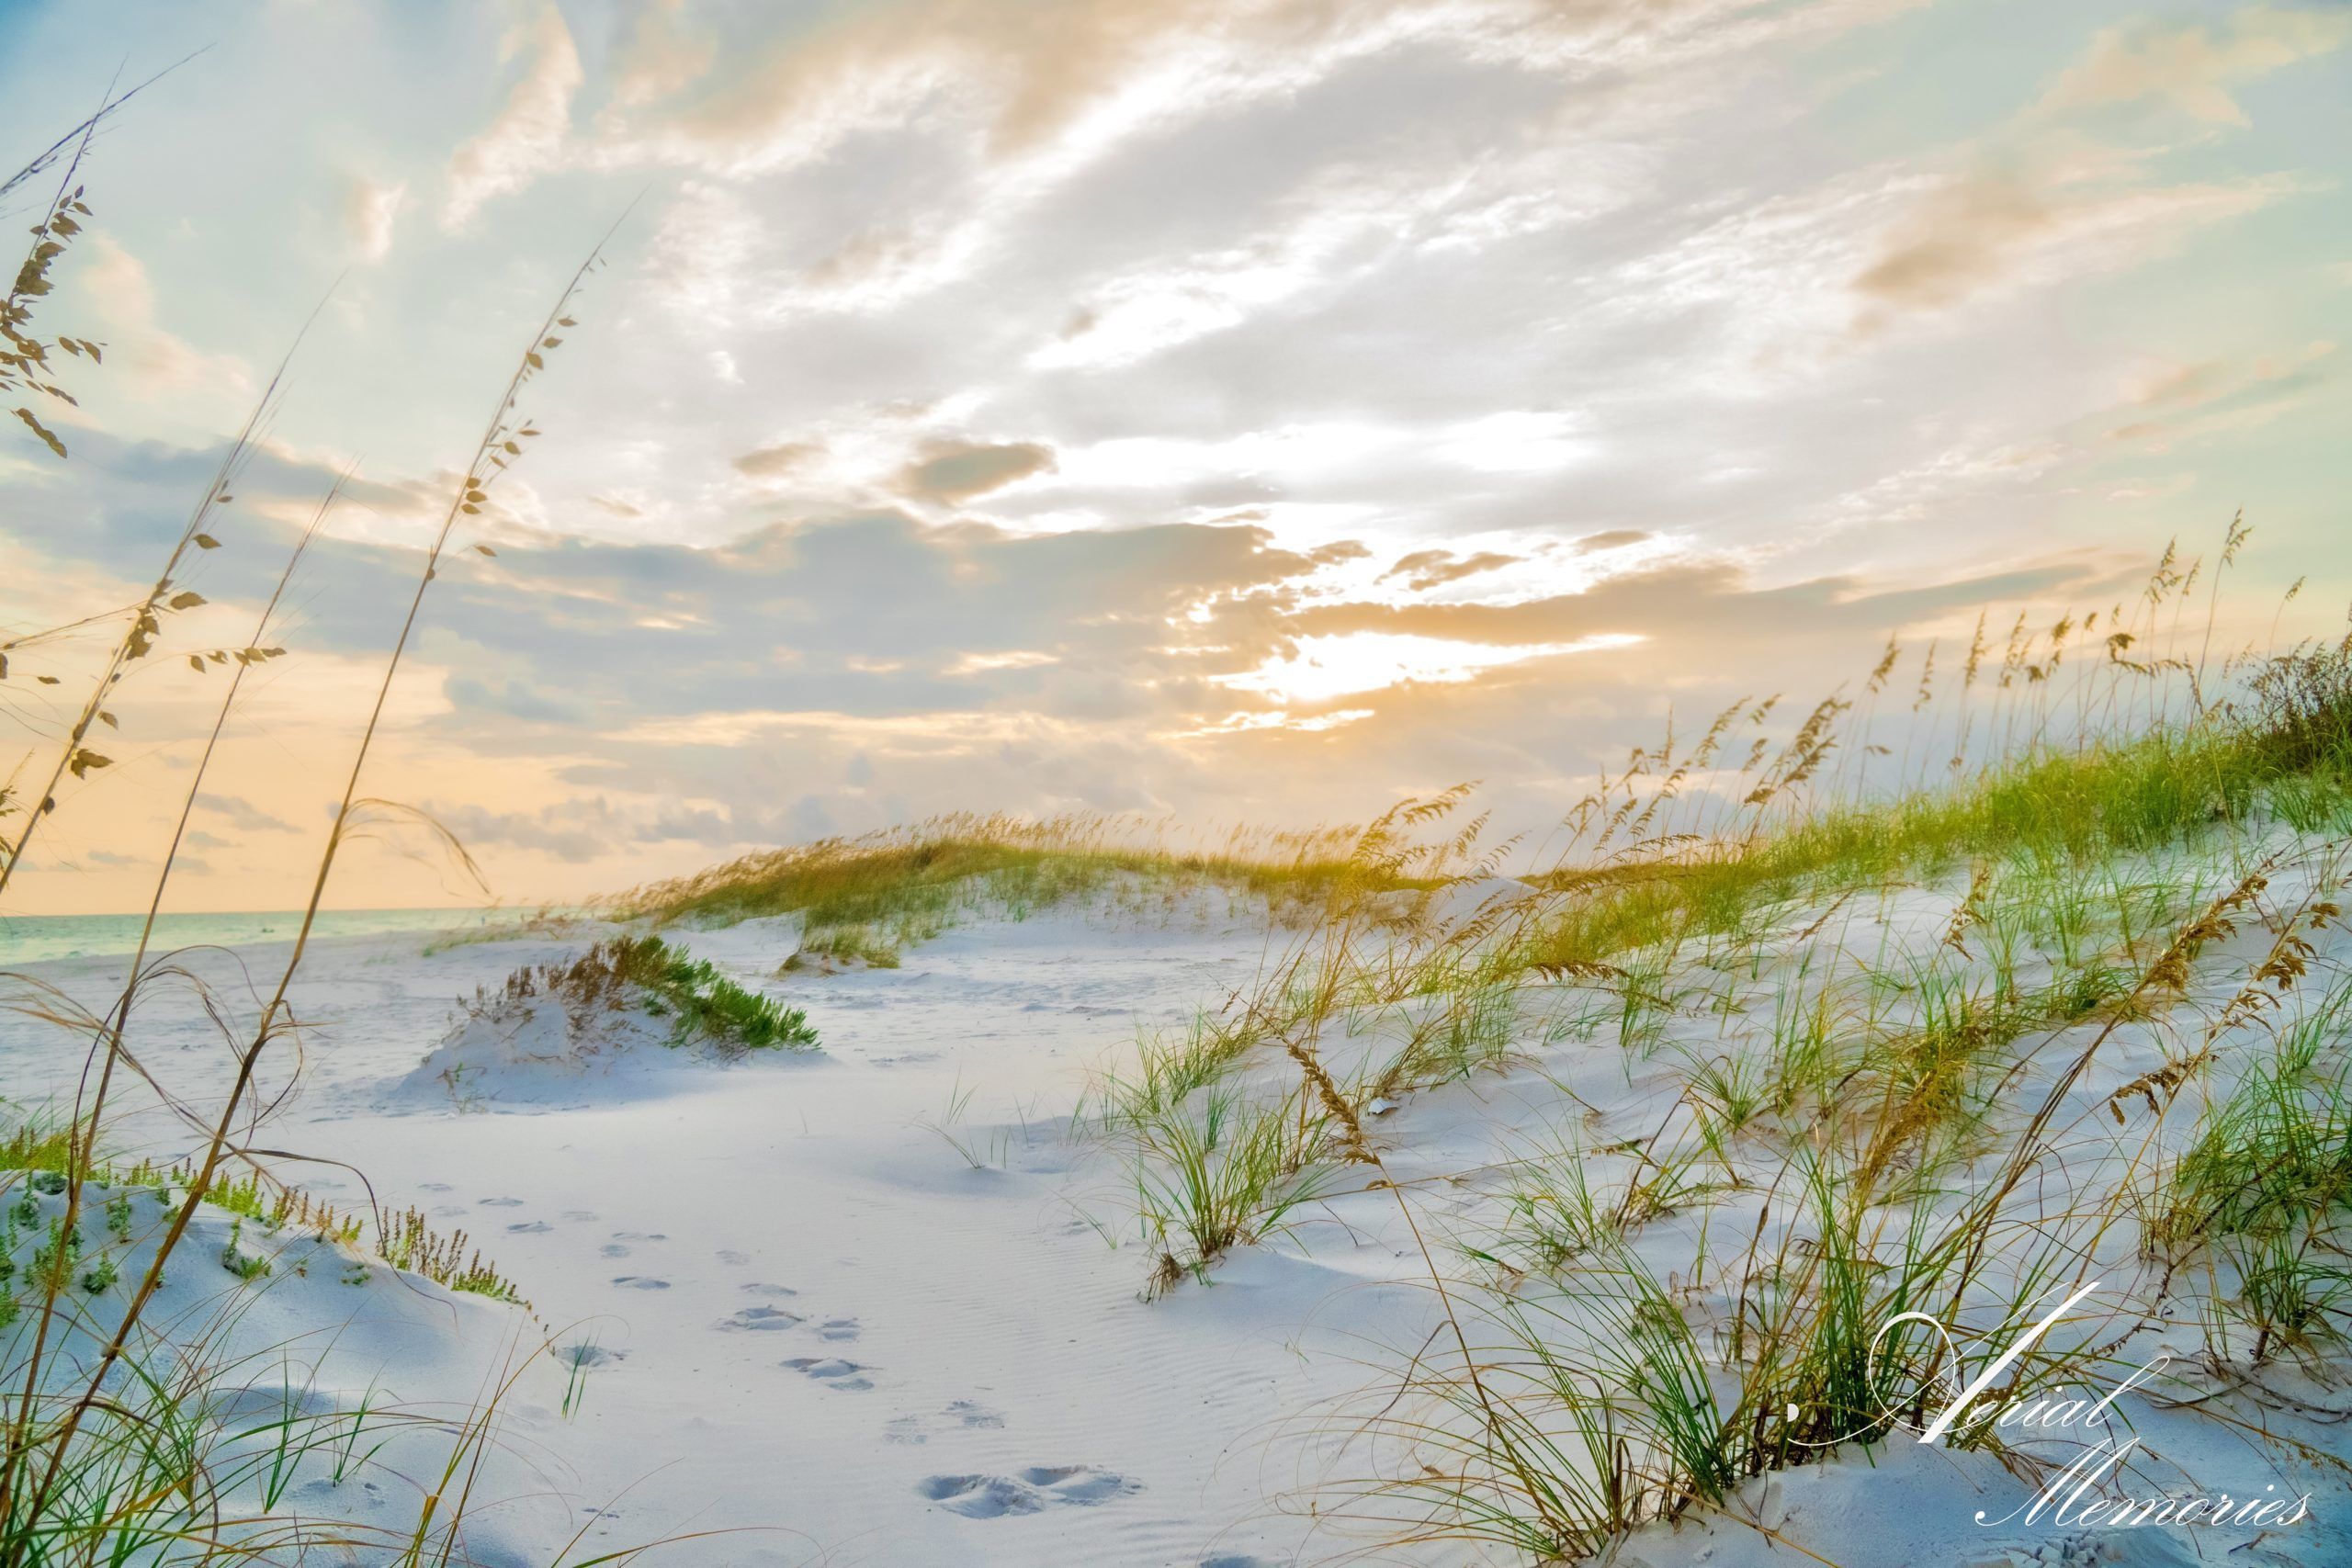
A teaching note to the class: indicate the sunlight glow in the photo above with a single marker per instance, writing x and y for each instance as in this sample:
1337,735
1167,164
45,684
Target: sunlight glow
1326,667
1277,719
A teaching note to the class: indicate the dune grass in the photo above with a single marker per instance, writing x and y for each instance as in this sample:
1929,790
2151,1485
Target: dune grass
118,1440
645,972
869,897
2262,1199
1582,1390
1885,1123
2058,810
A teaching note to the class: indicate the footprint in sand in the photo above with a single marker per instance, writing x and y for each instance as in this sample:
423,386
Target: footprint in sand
838,1328
451,1210
639,1235
731,1256
770,1290
614,1249
500,1203
1027,1492
969,1414
589,1356
435,1185
530,1227
833,1372
579,1214
641,1282
760,1319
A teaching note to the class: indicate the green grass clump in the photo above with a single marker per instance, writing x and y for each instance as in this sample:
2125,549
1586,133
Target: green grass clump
706,1003
646,972
1220,1170
2265,1189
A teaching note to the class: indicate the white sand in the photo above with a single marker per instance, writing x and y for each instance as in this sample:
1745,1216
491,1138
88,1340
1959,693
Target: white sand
819,1325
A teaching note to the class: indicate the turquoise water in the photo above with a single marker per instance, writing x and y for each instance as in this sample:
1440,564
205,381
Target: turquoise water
26,939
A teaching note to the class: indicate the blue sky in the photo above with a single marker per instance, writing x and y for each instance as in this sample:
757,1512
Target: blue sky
1237,409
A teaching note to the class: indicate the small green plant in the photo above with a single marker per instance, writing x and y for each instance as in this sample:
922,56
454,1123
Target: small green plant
980,1156
244,1264
827,947
405,1241
576,1360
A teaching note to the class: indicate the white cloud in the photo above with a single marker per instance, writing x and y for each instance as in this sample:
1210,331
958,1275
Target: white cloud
161,365
527,137
2193,69
370,214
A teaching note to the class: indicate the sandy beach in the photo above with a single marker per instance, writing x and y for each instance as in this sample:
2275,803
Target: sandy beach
884,1303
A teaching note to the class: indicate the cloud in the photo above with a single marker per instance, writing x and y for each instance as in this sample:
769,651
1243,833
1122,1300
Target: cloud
198,839
2183,401
515,699
1693,603
161,363
2042,199
663,55
1424,569
1978,231
959,472
370,214
781,460
527,137
2192,69
245,814
574,832
1023,103
1348,223
1610,539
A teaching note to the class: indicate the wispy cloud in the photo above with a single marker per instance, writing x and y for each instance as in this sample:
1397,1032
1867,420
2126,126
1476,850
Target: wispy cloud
527,138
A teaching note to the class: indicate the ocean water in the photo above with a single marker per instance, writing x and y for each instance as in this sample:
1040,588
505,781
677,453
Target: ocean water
27,939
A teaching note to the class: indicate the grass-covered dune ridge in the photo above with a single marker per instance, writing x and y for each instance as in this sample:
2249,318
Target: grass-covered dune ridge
869,896
2281,750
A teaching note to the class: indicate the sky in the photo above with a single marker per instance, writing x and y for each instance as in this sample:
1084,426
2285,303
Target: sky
1237,411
